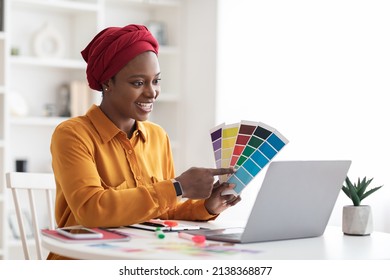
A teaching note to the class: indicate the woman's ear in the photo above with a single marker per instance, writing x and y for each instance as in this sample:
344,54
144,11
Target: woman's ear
106,86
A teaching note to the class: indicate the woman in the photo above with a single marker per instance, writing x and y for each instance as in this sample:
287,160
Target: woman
112,166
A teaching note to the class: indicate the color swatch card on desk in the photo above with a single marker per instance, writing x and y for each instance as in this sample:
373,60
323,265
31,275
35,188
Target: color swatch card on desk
248,147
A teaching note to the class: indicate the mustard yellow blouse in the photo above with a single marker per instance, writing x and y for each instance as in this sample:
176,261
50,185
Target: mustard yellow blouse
105,179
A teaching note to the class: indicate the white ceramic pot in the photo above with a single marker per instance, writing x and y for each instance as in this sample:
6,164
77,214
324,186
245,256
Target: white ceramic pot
357,220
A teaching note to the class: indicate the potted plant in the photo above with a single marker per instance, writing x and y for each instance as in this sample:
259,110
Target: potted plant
357,218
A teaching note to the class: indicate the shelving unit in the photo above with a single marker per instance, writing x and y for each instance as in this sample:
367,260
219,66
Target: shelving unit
36,79
35,65
52,62
3,130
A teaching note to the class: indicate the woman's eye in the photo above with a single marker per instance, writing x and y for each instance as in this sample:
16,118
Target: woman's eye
157,81
138,83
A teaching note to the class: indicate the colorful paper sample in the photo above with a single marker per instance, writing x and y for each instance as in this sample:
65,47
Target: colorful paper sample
244,134
216,140
228,140
256,144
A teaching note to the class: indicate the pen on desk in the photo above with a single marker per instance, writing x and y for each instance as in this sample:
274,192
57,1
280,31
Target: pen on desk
195,238
159,233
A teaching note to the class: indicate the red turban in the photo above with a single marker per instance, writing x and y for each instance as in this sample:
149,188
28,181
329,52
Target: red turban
113,48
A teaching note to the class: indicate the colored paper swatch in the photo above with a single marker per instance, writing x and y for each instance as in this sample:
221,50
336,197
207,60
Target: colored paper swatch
260,134
245,132
229,136
257,160
216,140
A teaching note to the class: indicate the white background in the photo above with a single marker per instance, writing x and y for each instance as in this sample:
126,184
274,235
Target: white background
318,71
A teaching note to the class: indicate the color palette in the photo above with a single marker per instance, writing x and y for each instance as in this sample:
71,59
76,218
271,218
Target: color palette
256,144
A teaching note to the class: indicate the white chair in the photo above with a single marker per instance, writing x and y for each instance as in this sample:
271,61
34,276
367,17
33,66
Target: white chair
32,183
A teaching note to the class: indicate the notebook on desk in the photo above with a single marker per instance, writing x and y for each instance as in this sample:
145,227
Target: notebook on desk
295,200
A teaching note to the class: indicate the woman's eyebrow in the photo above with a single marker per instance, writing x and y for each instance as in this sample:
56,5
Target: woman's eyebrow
143,75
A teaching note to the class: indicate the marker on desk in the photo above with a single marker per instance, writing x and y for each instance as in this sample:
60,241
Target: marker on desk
159,233
171,223
199,239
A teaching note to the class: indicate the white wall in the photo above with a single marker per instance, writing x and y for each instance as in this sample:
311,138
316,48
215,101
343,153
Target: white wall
200,81
319,72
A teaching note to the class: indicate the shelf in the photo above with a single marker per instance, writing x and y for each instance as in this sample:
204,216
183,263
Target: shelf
54,121
2,35
39,121
150,3
58,5
2,90
2,145
49,62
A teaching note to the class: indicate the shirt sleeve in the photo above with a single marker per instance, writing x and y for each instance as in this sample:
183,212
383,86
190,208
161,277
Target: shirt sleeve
191,210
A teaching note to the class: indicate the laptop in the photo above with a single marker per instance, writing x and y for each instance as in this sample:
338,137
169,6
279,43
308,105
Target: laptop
295,200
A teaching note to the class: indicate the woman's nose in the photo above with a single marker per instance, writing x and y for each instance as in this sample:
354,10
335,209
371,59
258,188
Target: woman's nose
152,91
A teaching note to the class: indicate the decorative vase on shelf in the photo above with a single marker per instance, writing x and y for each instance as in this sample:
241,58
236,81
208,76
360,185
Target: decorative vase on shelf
48,42
357,218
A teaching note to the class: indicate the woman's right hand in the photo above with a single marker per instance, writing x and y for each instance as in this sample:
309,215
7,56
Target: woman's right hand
197,183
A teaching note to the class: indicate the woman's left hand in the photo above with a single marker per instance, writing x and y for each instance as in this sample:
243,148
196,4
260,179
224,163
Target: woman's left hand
217,203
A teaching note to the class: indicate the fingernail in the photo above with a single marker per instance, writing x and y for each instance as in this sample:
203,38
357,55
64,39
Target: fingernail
232,185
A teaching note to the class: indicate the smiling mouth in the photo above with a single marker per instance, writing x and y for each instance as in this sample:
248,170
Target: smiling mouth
147,107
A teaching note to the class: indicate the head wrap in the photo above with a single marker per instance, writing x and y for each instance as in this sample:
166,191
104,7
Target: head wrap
112,48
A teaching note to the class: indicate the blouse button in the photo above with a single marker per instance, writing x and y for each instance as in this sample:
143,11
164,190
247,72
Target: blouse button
139,177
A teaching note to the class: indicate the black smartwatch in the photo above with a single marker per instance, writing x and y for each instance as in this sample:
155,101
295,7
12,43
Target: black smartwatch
178,189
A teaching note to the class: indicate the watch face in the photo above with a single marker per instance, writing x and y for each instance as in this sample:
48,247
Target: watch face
177,188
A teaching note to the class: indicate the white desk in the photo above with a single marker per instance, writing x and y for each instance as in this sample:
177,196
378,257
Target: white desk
333,245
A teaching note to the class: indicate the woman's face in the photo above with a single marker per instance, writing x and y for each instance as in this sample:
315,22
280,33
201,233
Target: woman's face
135,87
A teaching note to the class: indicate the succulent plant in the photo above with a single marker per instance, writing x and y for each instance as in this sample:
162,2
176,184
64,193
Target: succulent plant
358,191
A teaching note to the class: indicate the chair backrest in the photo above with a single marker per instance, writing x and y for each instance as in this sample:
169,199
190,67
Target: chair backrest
32,183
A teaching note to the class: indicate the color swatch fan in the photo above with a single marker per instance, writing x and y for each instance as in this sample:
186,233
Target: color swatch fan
248,147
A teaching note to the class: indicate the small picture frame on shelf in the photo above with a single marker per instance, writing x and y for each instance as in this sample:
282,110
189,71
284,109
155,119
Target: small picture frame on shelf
158,29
